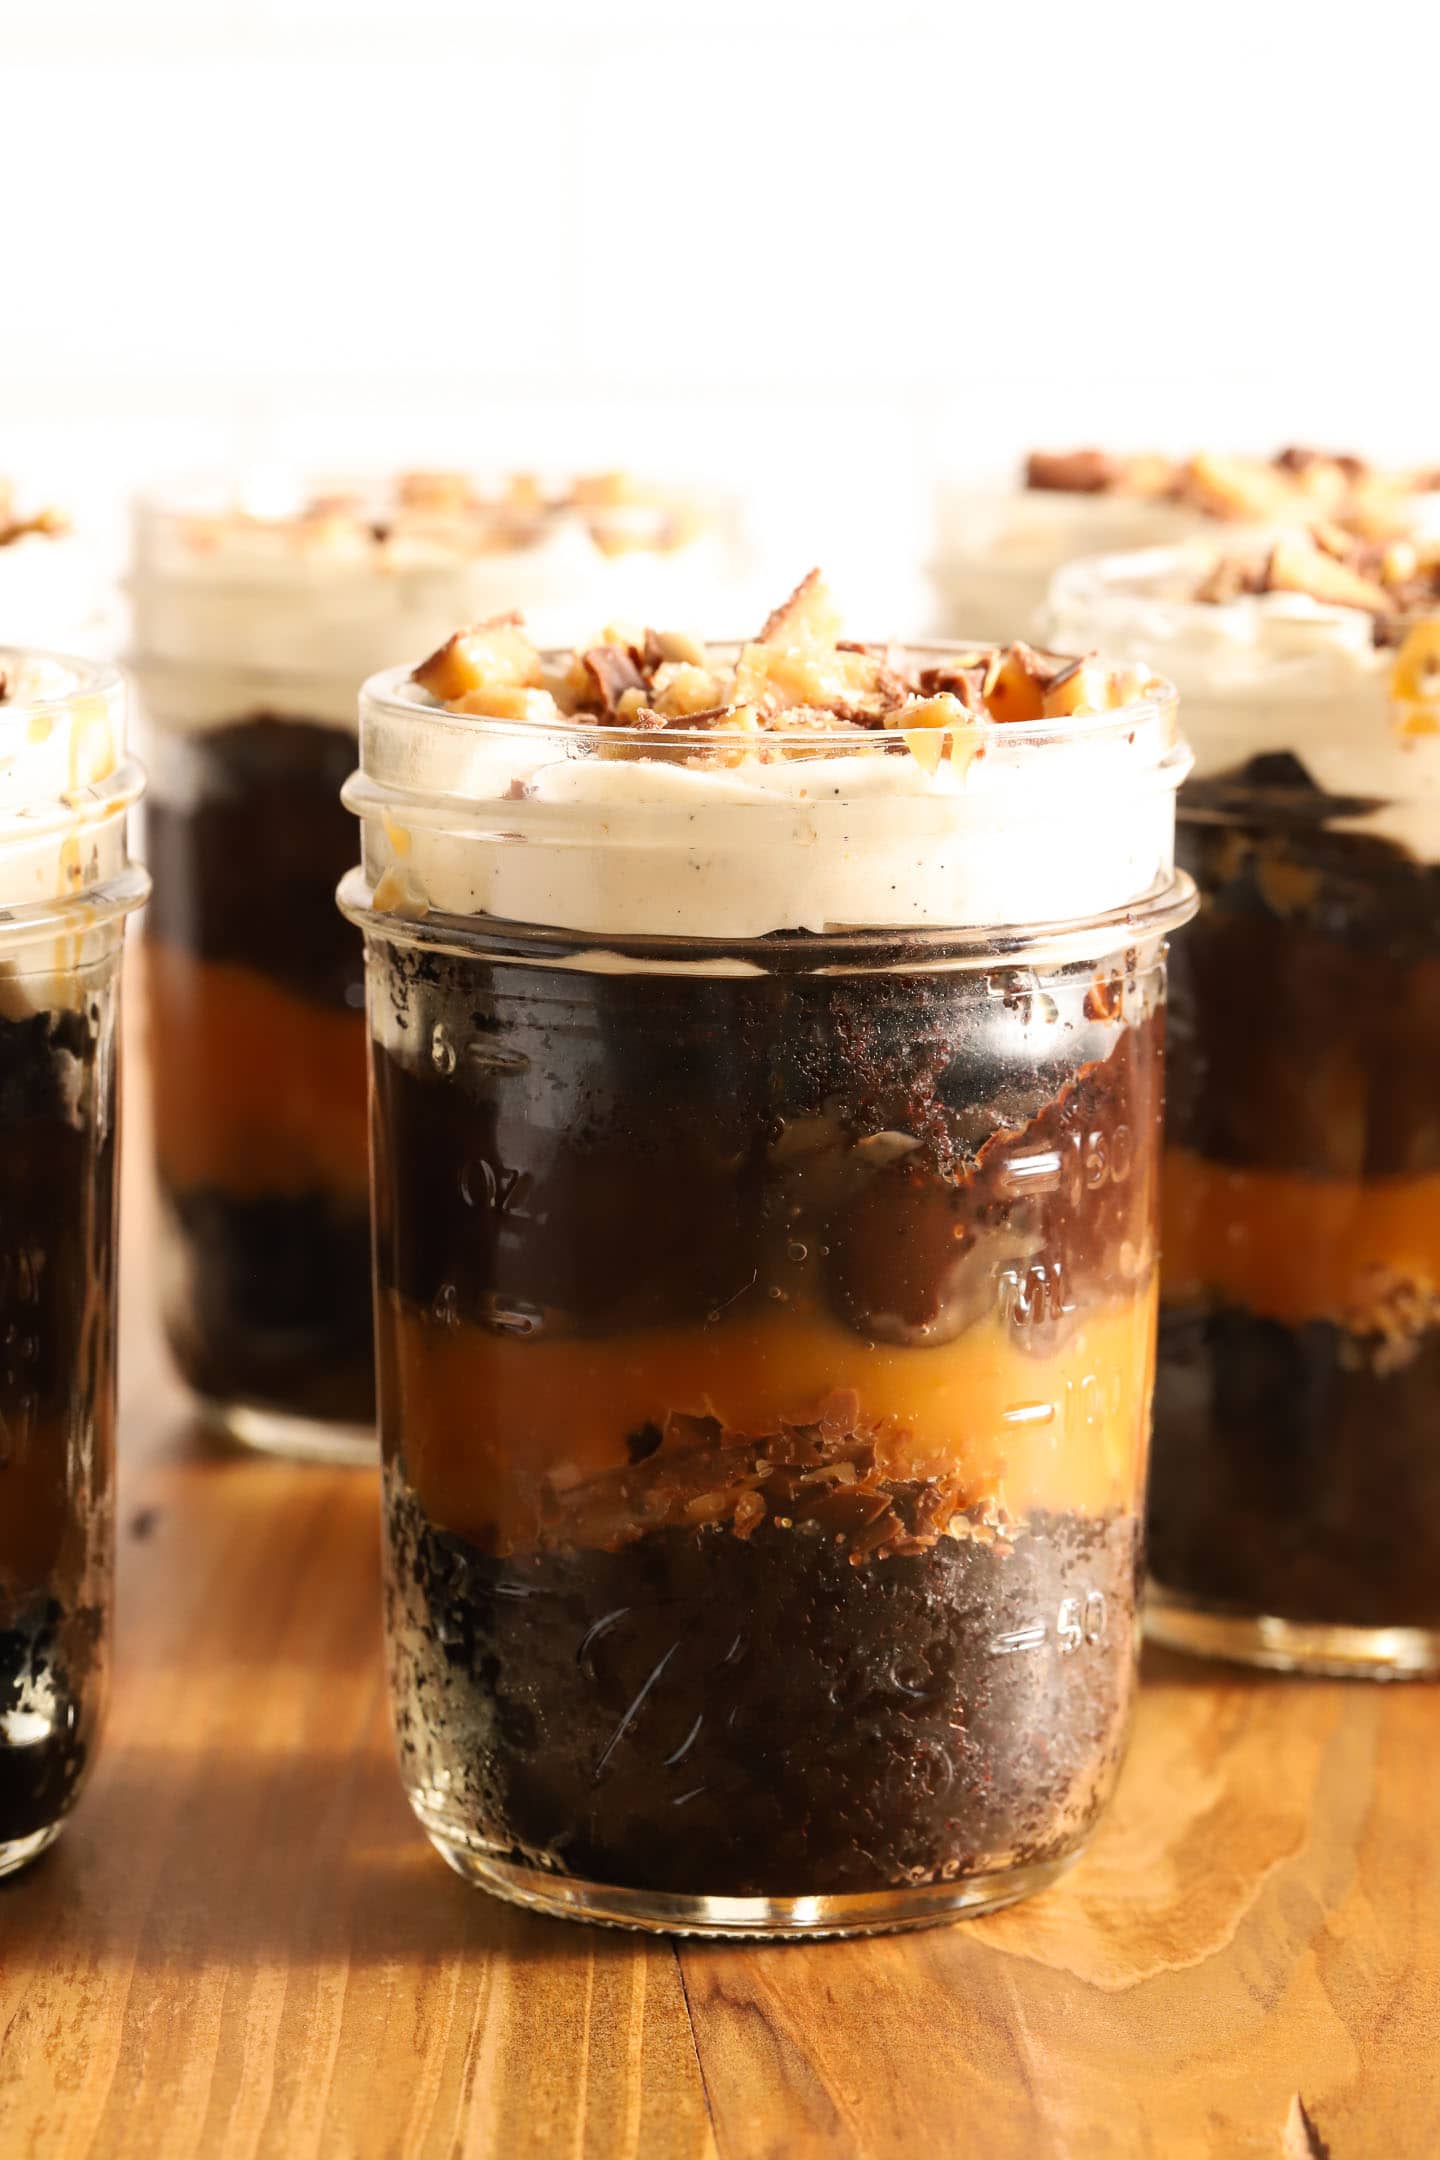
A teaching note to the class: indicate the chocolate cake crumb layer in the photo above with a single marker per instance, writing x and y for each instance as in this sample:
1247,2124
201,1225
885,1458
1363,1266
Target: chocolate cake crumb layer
622,1150
57,1199
53,1695
705,1714
276,1302
1296,1471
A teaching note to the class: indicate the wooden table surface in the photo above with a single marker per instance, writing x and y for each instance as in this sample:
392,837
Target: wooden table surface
243,1945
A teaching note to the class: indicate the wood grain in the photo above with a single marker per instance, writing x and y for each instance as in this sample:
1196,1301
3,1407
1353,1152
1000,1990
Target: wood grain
242,1946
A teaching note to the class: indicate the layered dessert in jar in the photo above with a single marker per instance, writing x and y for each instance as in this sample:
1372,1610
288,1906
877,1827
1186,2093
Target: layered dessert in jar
66,886
766,1053
253,629
997,551
1295,1514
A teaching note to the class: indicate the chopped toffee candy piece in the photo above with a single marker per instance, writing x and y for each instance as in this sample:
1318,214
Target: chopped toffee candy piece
1073,472
490,656
808,618
44,524
614,669
798,678
1297,566
1392,581
1295,486
447,512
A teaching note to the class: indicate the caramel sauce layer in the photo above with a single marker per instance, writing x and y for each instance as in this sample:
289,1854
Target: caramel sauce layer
515,1443
256,1091
1292,1248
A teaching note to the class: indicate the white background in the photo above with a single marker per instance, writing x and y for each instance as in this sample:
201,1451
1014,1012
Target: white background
842,247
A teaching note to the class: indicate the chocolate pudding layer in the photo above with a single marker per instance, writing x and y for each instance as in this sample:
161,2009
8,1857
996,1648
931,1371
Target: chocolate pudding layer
256,990
1298,1388
57,1167
765,1364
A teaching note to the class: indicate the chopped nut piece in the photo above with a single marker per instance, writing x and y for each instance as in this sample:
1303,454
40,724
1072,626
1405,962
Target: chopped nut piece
1071,472
443,491
507,701
808,618
1236,488
1296,566
683,688
1389,580
790,698
1018,691
1084,687
490,655
677,645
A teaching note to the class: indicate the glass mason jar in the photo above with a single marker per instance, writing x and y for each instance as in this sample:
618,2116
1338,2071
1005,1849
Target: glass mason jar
997,550
253,630
66,886
1295,1497
765,1307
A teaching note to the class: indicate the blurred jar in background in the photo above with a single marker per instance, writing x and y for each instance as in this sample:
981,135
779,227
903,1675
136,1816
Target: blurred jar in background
66,886
997,550
253,626
1295,1495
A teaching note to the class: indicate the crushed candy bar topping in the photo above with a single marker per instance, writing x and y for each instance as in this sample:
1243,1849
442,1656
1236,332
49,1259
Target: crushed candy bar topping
455,513
1393,581
1296,486
798,677
45,524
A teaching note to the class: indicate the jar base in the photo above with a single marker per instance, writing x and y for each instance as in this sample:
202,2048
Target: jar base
1316,1647
283,1432
657,1912
16,1853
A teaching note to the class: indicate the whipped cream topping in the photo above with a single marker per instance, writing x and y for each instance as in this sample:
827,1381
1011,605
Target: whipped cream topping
1274,671
55,585
714,823
289,607
65,786
998,549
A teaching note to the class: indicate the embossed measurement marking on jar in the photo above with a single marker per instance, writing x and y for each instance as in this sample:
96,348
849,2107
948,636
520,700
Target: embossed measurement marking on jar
1028,1413
1033,1296
1080,1406
482,1185
1080,1619
1035,1173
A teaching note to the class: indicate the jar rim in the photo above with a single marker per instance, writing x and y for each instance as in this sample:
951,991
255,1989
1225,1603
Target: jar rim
88,678
1171,902
1128,577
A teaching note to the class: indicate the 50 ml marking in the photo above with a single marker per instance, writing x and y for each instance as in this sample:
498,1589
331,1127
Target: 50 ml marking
1078,1620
